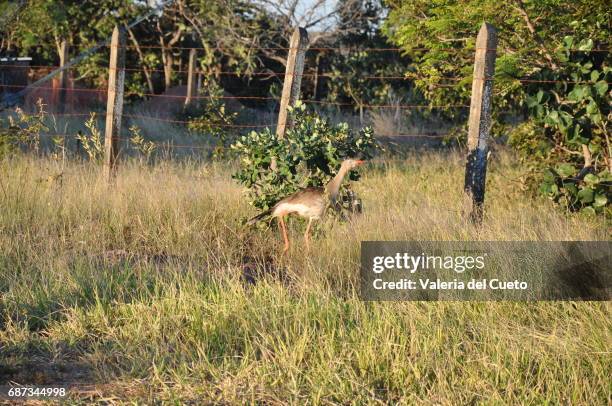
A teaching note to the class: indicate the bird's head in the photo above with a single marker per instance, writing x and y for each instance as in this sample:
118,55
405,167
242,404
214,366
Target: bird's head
352,163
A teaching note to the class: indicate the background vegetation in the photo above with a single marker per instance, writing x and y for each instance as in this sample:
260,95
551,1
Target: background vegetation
552,94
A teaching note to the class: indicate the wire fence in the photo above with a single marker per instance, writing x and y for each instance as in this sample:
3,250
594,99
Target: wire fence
170,146
264,98
332,75
338,49
117,139
267,74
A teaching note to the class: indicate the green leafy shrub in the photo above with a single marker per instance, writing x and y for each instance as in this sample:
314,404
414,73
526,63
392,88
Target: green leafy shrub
566,142
590,193
309,155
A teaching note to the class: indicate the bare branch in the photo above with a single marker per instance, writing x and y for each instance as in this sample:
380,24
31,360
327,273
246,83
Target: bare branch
520,7
143,63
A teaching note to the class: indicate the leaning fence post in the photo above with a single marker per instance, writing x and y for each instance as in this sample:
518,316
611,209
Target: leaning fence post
479,123
191,80
114,104
293,77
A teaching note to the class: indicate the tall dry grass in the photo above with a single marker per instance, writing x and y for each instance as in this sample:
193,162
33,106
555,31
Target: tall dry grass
153,290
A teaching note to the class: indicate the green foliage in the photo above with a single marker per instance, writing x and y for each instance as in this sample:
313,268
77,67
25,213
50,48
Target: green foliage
227,30
43,24
528,139
92,143
440,37
591,194
310,154
212,118
574,107
572,112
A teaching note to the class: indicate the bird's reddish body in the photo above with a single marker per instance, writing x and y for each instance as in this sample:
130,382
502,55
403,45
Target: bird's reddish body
309,203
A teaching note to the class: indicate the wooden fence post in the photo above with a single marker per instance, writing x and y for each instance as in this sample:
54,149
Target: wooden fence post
191,79
114,104
293,77
479,123
63,76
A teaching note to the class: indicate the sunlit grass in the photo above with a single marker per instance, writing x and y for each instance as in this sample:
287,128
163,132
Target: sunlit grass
141,288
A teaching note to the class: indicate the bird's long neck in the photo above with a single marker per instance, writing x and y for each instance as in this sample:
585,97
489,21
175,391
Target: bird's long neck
333,187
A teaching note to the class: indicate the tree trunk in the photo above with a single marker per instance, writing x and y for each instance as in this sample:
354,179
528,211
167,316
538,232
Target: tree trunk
315,85
361,114
167,56
145,68
63,76
398,117
168,60
180,65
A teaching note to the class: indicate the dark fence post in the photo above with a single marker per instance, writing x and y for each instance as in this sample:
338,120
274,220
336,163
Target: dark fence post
480,121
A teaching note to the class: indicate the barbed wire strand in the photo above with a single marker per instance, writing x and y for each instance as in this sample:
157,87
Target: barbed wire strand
341,49
329,75
170,144
324,102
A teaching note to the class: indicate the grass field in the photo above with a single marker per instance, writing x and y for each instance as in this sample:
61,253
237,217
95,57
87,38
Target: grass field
153,290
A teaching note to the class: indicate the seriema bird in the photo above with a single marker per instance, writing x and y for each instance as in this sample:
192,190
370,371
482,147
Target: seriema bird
309,203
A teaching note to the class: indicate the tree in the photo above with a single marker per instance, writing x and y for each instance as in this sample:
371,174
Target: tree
260,29
9,15
171,30
43,26
532,56
360,70
440,37
569,128
227,30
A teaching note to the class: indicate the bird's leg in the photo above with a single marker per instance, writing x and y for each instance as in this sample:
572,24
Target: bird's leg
284,231
306,239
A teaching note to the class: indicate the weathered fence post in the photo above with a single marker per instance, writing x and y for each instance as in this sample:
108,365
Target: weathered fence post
479,123
114,104
293,77
63,76
191,79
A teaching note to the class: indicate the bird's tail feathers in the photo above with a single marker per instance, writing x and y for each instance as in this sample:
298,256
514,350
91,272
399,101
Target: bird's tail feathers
259,217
